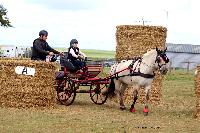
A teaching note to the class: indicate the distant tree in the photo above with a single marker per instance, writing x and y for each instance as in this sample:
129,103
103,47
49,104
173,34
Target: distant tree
4,21
1,52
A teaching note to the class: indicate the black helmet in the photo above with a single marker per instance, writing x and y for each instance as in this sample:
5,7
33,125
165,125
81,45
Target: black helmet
43,33
73,41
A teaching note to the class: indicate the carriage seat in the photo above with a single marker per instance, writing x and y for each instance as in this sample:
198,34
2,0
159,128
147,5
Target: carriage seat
66,64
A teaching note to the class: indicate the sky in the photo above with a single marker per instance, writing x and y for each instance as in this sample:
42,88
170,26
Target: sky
93,22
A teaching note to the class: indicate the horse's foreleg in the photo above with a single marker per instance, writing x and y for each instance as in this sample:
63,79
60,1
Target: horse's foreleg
146,110
135,97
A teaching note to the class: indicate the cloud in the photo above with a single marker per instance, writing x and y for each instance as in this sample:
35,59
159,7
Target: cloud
73,5
94,23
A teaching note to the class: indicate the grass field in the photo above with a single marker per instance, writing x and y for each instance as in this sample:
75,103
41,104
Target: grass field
176,114
94,53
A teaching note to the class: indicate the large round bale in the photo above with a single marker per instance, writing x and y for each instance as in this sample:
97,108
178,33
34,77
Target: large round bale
26,83
197,91
134,41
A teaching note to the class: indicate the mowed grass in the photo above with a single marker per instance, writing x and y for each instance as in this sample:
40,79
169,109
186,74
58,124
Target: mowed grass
176,114
94,53
99,53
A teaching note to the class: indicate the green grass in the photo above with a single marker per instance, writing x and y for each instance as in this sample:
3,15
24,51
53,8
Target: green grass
99,53
176,114
94,53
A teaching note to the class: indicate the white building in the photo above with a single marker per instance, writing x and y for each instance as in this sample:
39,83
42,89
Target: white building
12,51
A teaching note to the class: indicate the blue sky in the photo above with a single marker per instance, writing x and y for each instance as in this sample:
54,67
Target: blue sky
93,22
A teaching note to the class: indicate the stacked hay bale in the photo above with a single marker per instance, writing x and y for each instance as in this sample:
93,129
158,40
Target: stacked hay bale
197,91
135,40
24,91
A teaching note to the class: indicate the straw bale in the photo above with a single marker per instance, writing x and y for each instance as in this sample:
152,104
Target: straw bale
135,40
24,91
197,91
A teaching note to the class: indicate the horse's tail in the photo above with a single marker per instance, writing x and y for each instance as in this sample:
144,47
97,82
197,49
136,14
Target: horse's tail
111,88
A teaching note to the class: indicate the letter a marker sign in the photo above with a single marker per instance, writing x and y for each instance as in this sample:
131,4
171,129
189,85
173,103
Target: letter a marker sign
25,70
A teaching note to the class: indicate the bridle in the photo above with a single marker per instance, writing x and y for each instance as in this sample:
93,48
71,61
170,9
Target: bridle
161,56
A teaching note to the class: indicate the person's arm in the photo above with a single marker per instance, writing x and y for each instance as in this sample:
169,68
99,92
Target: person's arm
51,49
38,47
71,51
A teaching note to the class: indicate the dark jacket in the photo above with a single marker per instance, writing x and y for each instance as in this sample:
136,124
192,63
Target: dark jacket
41,49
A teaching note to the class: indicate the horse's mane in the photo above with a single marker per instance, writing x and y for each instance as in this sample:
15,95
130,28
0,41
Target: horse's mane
149,52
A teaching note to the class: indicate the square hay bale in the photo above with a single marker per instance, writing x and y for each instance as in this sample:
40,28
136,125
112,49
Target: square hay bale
197,91
25,91
135,40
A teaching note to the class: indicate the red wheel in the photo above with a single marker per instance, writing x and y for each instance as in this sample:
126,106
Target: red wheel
97,93
66,92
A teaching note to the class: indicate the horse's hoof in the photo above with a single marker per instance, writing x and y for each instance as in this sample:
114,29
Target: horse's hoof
145,113
132,110
123,108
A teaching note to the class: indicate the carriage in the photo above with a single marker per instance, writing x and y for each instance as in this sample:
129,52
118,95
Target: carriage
68,84
139,71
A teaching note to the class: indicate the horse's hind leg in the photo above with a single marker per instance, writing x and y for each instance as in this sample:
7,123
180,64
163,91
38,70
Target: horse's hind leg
135,97
120,93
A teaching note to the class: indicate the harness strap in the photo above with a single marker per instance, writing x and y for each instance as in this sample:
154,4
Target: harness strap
137,74
142,74
132,71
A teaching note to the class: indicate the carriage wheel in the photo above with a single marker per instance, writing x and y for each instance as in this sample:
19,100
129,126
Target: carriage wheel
66,92
97,93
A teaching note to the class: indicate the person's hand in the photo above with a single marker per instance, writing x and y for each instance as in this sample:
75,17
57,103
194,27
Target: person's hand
61,54
51,53
79,57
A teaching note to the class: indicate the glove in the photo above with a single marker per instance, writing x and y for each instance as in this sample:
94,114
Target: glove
79,57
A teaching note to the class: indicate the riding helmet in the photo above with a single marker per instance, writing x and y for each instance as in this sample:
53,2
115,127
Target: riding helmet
73,41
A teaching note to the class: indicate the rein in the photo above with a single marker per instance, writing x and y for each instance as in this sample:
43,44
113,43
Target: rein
161,56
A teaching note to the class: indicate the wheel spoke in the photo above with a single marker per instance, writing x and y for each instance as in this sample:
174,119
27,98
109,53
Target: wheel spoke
93,94
96,93
66,96
100,95
97,98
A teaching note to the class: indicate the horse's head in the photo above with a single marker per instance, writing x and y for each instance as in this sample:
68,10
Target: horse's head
162,61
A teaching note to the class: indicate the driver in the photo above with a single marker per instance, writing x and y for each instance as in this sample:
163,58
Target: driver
75,55
41,48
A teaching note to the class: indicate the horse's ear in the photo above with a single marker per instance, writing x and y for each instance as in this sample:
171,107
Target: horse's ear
158,51
165,49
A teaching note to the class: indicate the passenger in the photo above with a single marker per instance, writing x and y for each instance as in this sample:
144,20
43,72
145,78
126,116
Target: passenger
75,56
